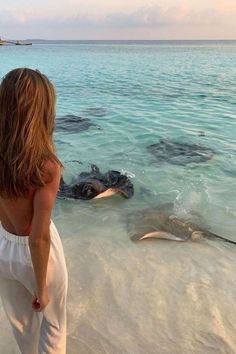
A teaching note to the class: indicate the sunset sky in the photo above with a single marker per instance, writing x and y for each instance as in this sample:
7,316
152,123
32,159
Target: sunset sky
118,19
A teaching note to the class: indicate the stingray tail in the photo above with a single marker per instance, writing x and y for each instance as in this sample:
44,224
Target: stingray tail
94,168
210,235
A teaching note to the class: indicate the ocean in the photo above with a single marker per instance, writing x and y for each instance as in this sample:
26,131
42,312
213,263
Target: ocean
152,297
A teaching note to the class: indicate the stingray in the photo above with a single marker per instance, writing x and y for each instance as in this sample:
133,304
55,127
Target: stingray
180,153
155,224
74,124
94,185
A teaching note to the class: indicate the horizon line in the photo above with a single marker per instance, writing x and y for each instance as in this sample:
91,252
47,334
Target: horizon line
53,39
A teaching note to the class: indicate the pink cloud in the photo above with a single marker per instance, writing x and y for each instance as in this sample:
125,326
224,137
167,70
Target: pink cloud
157,16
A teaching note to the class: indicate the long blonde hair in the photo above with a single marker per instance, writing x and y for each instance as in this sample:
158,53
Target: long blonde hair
27,119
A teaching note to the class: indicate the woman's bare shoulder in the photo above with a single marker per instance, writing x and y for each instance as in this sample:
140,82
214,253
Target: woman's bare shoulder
52,170
45,196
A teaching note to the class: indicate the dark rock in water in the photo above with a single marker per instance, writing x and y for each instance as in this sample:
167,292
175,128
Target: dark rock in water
92,184
96,112
179,153
74,124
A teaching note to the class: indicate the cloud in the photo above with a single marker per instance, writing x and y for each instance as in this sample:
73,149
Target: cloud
152,16
150,21
146,16
7,17
12,17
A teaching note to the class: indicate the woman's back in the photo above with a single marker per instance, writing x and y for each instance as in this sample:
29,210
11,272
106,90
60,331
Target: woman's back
16,215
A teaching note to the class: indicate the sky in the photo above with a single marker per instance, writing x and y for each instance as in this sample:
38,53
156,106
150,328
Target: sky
118,19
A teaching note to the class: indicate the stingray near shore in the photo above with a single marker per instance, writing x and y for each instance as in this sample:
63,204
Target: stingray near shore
155,224
74,124
179,153
94,185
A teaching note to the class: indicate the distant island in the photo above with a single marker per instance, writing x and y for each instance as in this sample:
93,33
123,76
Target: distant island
14,42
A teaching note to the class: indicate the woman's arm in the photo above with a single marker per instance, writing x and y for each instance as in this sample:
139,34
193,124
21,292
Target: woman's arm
39,240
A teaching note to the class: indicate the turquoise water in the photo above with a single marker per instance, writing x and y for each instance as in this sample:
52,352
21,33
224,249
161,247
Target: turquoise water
146,92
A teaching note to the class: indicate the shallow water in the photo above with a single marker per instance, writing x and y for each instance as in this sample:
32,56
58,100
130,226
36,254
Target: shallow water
156,296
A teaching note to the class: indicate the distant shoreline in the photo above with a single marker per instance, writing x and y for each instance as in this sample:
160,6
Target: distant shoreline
161,42
129,40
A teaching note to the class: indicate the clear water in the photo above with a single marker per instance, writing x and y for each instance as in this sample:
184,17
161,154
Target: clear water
154,297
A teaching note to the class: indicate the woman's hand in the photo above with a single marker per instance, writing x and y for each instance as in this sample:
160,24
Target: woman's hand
40,302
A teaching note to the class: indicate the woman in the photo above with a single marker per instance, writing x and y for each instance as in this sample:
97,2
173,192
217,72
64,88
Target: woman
33,276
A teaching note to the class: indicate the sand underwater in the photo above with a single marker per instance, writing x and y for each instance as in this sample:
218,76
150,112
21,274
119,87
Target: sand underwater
157,296
154,297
